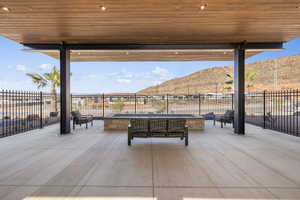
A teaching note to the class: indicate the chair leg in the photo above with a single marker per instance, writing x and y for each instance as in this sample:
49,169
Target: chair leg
86,125
73,125
221,124
214,122
129,139
186,140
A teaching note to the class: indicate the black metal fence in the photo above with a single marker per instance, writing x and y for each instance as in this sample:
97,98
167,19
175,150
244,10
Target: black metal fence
277,110
103,105
23,111
273,110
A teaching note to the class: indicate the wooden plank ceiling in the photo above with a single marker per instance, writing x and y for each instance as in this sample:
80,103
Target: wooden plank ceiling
133,55
150,21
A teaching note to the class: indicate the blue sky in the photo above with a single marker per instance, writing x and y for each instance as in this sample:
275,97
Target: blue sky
99,77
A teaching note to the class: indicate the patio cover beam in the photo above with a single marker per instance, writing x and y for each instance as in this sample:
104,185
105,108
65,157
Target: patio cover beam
65,95
239,90
201,46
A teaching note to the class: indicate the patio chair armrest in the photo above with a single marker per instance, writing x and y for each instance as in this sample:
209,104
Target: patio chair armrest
87,116
129,125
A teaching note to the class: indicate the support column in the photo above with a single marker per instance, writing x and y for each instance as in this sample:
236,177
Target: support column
65,96
239,90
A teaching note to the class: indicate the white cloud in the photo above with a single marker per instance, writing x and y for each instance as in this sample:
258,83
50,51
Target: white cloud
123,74
124,80
160,70
22,68
153,77
45,66
162,73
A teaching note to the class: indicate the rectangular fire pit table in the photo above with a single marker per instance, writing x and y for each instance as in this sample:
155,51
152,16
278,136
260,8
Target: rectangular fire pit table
119,122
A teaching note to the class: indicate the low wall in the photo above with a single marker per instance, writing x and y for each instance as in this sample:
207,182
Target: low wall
111,124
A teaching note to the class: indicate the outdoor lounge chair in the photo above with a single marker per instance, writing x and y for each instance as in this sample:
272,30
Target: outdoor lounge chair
80,119
228,117
137,128
178,128
158,128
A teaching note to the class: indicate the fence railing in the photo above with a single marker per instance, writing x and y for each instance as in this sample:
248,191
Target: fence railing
23,111
277,110
103,105
273,110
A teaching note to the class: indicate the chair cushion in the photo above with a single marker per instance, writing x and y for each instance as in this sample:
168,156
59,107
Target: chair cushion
158,125
139,125
229,114
76,114
176,125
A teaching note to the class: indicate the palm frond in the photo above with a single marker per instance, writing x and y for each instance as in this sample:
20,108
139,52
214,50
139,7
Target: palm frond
229,75
38,80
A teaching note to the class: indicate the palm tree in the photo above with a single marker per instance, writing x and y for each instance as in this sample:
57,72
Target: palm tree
51,79
249,77
229,82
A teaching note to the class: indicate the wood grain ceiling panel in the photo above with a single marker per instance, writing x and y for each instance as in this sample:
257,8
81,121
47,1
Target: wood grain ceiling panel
96,56
150,21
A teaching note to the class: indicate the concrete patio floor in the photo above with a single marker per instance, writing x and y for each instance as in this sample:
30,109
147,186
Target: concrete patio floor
217,164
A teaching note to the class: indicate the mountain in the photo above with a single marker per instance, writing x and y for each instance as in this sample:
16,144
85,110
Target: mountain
274,74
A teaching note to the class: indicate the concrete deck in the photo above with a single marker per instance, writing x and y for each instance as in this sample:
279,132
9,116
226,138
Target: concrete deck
91,163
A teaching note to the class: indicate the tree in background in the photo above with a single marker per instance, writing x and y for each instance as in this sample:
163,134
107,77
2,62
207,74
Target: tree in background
249,77
229,83
51,79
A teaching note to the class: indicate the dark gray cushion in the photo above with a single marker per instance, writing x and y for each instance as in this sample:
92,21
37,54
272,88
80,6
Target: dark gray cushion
158,125
176,125
139,125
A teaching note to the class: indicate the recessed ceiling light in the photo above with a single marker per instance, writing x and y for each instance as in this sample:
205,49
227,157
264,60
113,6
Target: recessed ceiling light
103,8
127,53
6,9
298,7
176,52
202,7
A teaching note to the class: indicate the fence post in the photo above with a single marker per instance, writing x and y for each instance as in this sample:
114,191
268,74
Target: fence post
103,105
232,102
135,103
2,99
264,108
199,104
167,104
297,113
71,102
41,109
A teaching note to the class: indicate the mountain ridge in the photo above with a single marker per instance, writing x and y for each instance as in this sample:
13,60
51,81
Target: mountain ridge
273,74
